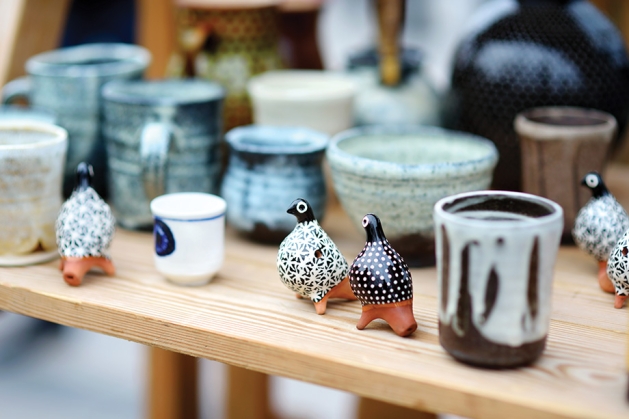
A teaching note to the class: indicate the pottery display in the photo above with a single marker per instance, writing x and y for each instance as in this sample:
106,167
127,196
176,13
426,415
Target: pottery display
559,145
523,54
189,233
32,158
227,41
67,82
309,263
298,34
400,172
85,228
268,167
413,100
380,279
319,100
162,137
496,252
618,270
599,225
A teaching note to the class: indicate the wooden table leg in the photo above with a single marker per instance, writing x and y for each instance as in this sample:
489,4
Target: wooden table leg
248,394
173,385
374,409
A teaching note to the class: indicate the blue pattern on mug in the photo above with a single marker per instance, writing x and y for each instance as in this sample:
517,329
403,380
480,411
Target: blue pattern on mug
164,239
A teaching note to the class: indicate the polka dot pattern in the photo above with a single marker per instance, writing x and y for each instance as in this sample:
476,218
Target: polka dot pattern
379,274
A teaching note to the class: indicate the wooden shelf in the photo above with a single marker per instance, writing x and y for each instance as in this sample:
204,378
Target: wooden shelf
247,318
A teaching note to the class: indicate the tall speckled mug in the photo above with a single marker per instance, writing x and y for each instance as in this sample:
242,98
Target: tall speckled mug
162,137
67,82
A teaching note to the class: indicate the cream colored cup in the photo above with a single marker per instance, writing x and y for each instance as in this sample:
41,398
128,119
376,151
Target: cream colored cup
319,100
32,159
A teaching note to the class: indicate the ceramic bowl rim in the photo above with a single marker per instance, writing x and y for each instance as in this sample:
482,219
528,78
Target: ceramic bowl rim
213,207
541,131
113,91
59,133
360,164
22,113
317,140
257,88
129,58
555,216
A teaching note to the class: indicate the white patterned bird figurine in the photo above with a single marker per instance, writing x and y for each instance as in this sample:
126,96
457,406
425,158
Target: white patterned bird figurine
309,263
382,282
618,270
599,225
85,227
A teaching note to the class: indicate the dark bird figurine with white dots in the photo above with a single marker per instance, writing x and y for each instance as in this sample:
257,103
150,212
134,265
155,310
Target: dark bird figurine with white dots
599,225
309,262
382,282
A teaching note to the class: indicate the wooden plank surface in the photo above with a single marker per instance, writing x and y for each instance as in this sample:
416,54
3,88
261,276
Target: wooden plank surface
245,317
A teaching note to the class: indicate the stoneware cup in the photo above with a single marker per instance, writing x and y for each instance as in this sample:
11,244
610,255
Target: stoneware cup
162,137
559,146
67,82
308,98
189,233
269,167
400,172
32,157
496,252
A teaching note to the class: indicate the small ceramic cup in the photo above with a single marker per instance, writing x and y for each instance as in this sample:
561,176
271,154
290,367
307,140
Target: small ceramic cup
268,168
32,158
308,98
496,252
560,145
189,233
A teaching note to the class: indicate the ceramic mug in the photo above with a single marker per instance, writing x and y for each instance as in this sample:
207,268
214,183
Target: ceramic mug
269,167
162,137
496,252
189,233
32,157
308,98
67,82
559,146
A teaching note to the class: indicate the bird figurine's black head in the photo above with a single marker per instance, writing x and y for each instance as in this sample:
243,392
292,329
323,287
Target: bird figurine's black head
84,175
373,227
301,209
594,181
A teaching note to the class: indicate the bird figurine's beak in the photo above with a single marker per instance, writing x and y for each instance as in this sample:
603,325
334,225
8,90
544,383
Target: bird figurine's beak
292,210
583,182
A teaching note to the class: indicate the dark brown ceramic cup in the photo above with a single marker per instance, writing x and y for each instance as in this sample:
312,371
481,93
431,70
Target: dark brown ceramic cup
495,256
559,146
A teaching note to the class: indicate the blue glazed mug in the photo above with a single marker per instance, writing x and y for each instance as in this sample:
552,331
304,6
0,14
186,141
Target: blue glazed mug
162,137
189,233
268,168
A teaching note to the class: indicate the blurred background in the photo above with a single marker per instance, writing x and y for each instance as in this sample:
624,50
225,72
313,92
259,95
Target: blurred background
51,371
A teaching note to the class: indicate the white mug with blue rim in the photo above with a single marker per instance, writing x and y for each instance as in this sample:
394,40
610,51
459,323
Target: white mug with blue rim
189,233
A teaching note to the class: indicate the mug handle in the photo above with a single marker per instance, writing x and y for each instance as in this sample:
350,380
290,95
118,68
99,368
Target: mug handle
15,89
155,143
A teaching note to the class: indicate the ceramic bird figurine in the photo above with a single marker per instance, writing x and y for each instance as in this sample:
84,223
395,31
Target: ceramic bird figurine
85,227
382,282
618,270
599,225
309,262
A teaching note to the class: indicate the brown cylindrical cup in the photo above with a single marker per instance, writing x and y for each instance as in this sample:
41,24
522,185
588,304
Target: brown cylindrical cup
559,146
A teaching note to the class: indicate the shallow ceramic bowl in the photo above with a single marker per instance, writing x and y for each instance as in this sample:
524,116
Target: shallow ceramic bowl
399,173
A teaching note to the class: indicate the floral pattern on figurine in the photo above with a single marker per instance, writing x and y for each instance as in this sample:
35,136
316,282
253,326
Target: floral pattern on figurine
84,230
309,263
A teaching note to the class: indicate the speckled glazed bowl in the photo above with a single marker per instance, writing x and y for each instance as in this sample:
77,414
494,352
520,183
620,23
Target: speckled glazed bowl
400,172
269,167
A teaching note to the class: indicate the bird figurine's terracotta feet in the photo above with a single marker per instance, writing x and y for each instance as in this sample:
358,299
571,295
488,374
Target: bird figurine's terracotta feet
599,225
309,263
85,227
75,268
603,279
380,279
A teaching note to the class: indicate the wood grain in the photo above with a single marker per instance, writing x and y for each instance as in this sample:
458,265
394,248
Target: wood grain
245,317
156,31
